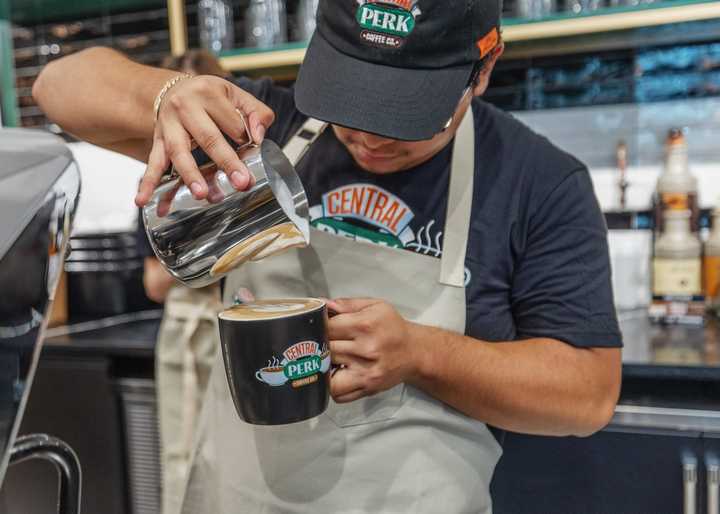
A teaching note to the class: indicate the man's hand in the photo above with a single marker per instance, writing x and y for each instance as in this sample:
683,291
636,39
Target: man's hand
199,110
536,386
372,342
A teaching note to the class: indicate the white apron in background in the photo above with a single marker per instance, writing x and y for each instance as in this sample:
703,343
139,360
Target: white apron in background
187,343
398,451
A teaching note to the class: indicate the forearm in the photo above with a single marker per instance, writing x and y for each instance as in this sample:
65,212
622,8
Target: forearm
537,386
101,96
156,280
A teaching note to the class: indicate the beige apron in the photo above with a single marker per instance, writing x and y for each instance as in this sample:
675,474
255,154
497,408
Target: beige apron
398,451
187,343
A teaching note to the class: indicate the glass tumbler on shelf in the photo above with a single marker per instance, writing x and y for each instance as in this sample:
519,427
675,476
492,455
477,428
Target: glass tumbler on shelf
265,23
535,9
306,19
583,6
215,24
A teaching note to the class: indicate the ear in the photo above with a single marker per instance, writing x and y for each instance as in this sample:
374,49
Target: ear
484,77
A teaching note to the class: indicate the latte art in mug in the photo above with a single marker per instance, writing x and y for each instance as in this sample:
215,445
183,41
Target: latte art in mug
270,309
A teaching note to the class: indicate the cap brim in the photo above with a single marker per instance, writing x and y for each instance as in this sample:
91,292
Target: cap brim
399,103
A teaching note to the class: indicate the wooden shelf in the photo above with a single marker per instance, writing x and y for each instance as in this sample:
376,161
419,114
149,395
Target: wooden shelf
263,60
521,31
625,19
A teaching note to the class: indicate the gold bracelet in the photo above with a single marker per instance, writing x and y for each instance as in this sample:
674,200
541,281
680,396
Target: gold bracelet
168,85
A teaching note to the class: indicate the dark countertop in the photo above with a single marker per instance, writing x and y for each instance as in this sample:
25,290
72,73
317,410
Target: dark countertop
672,352
131,335
651,351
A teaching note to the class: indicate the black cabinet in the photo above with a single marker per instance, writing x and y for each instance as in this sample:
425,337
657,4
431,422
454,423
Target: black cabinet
621,470
618,472
73,399
711,465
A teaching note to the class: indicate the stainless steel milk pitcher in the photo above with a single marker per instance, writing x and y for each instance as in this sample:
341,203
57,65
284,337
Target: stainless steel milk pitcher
199,242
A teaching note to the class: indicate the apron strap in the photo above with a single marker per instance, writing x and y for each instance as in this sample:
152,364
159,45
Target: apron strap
298,145
459,206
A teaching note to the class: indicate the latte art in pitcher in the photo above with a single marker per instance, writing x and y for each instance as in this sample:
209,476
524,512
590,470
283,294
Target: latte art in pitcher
270,309
260,246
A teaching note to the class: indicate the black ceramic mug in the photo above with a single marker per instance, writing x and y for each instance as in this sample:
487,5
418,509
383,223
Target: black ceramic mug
277,359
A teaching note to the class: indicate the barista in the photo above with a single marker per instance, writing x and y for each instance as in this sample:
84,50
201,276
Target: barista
484,302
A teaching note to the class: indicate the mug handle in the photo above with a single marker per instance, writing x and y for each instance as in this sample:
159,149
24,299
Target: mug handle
257,375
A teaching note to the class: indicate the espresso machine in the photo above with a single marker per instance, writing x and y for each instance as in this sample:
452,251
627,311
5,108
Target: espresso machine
39,190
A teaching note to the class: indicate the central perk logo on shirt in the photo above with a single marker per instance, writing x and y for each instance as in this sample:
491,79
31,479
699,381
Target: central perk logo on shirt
386,23
385,216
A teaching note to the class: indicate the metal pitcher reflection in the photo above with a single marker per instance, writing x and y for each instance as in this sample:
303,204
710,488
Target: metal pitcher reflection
199,242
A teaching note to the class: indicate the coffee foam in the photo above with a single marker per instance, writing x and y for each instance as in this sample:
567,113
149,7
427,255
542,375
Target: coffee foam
271,309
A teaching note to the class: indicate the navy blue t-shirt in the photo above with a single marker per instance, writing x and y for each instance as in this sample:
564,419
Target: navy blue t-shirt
537,261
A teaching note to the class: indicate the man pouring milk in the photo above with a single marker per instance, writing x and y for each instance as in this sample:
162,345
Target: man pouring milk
474,293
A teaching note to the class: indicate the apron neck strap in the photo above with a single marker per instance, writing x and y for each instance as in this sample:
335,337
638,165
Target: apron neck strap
459,204
297,147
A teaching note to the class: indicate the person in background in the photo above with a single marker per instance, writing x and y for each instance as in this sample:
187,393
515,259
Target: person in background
466,257
188,338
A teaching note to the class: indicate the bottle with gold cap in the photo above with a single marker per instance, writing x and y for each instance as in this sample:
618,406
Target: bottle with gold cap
677,265
676,187
711,268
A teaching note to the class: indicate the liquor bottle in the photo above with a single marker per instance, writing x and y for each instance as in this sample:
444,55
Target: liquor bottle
265,23
711,266
677,263
216,25
677,186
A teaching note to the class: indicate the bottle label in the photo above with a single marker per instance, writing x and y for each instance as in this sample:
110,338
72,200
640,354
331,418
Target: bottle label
675,201
680,202
676,277
712,276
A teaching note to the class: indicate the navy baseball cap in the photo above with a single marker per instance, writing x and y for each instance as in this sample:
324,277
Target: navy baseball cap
396,68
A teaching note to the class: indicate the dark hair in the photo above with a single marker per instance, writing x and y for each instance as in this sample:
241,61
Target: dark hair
196,62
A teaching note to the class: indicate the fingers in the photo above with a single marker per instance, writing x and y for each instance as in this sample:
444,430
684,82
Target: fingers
343,327
347,353
166,199
204,110
259,115
215,194
204,131
346,386
350,397
229,120
347,305
157,164
178,148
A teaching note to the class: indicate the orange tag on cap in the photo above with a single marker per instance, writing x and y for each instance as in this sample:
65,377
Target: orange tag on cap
488,42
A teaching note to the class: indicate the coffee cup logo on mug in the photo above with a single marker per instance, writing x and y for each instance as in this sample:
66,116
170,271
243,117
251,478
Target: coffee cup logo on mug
277,359
199,241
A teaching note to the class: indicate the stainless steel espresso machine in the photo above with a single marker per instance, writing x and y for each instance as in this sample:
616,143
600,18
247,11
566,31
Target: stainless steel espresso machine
39,189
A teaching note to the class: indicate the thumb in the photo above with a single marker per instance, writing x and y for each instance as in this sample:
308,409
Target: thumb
349,305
